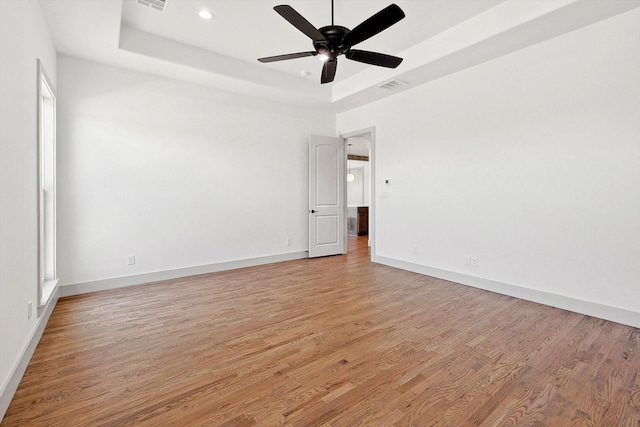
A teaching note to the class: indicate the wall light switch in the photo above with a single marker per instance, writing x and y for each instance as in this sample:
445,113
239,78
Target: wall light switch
131,260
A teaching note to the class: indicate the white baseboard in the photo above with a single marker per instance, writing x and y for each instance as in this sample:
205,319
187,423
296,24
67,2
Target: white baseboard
138,279
614,314
10,387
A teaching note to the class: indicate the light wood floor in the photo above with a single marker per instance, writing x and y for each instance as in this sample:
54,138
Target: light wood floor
336,341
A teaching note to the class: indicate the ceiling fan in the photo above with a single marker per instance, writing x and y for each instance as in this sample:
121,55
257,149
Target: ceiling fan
334,40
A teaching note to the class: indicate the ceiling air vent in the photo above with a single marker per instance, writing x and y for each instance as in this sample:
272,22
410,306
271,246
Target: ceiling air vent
393,84
154,4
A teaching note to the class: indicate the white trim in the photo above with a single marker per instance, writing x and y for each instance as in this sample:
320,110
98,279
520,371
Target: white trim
45,287
10,387
138,279
614,314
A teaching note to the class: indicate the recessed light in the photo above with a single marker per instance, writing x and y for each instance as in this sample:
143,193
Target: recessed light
205,14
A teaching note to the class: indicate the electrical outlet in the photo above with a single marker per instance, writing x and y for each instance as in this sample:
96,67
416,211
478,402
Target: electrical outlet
471,260
30,310
131,260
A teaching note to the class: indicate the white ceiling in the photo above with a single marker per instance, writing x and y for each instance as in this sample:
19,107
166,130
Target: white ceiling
249,29
436,38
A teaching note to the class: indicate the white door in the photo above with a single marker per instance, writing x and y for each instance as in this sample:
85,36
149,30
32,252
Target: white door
327,198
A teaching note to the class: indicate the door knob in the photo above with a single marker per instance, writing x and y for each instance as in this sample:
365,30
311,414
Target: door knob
313,211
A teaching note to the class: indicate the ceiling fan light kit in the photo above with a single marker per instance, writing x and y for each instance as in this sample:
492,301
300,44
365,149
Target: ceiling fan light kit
334,40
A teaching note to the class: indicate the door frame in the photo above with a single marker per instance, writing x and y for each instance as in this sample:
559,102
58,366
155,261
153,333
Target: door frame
370,135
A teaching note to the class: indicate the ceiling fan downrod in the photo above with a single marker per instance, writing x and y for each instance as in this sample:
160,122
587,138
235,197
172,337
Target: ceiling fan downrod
331,12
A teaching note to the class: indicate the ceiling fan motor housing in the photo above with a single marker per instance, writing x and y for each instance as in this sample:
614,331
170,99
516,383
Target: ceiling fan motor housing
333,46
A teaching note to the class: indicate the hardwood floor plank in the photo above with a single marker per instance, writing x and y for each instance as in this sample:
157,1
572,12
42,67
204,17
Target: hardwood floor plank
331,342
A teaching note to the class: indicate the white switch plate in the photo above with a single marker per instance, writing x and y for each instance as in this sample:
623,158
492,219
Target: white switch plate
131,260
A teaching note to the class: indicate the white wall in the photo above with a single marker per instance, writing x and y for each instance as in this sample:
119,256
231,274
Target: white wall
360,186
530,162
23,39
178,175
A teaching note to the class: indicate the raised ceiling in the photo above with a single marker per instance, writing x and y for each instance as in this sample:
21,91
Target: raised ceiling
437,37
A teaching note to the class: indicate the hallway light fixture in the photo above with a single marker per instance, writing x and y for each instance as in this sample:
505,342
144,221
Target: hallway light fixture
350,177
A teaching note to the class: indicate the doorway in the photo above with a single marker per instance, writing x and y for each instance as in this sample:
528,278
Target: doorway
360,152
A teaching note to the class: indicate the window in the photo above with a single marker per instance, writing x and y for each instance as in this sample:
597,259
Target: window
47,278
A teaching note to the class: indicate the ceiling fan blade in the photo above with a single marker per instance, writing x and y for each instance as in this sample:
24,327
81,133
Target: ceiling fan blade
287,56
374,58
375,24
329,70
298,21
